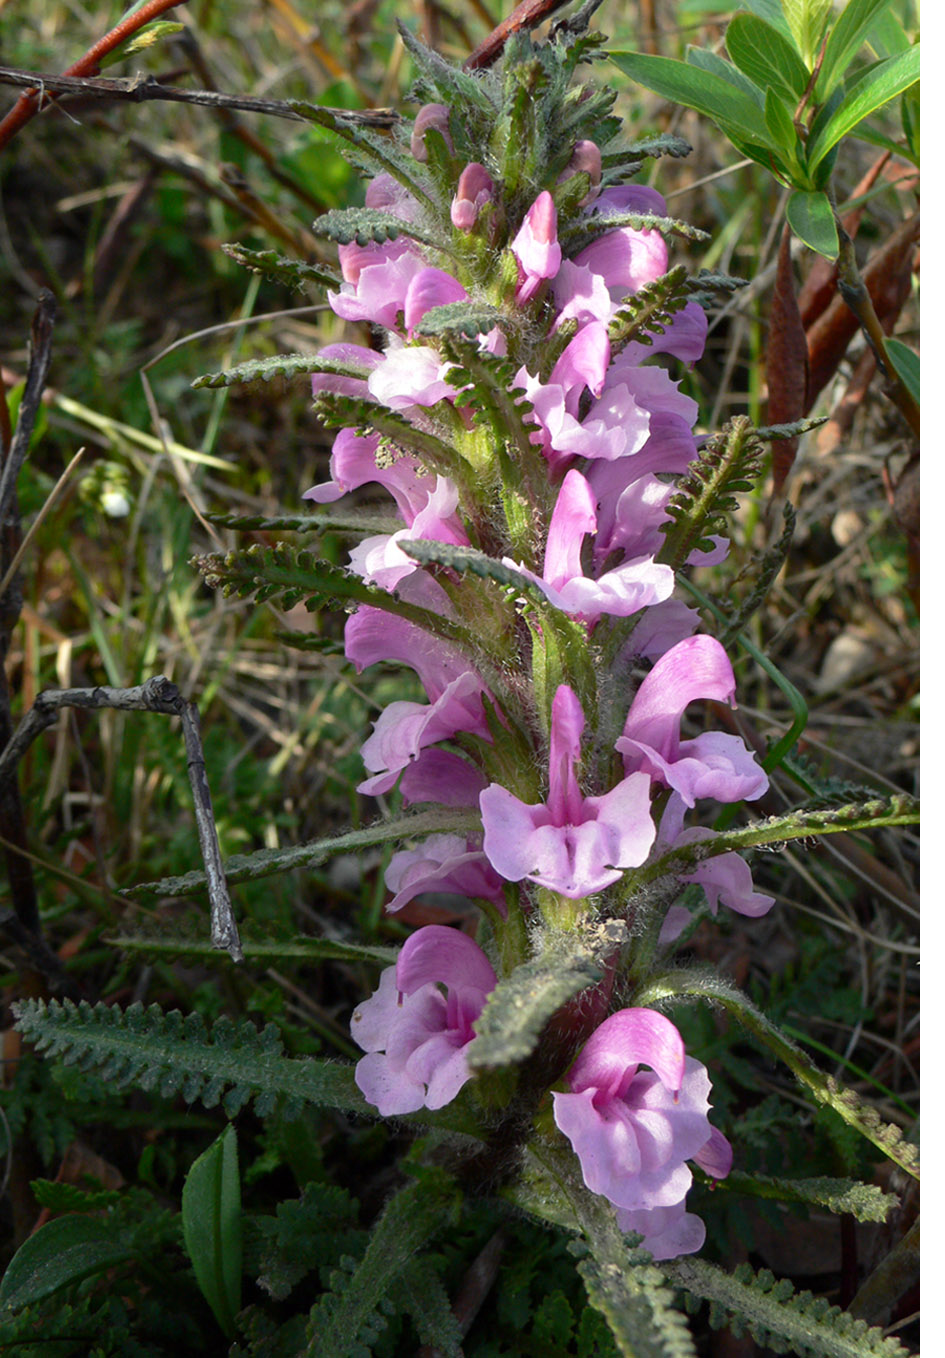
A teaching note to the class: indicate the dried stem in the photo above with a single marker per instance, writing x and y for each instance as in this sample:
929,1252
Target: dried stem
856,295
142,89
29,104
155,695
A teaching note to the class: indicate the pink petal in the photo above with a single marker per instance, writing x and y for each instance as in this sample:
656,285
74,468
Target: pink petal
621,1043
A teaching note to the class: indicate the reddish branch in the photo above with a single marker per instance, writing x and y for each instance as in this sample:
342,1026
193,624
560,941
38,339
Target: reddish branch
28,104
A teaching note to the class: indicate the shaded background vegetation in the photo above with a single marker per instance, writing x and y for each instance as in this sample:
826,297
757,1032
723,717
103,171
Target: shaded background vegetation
122,211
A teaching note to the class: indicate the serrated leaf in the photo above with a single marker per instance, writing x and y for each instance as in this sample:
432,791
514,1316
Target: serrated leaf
212,1225
278,365
294,273
883,83
367,225
413,1216
62,1252
865,1202
459,318
774,1313
811,218
521,1004
703,91
767,58
251,867
846,38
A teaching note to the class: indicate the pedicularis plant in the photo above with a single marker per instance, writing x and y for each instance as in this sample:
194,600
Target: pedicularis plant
549,504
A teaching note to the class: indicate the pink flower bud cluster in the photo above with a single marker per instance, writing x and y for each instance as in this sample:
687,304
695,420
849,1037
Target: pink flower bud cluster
609,435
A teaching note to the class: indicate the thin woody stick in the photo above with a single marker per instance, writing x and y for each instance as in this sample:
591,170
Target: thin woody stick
157,694
142,89
28,104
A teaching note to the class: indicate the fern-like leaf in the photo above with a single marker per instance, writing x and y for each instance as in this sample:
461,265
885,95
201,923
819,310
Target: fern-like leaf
777,1316
517,1010
296,576
865,1202
266,862
367,225
261,370
172,1055
349,1318
730,462
293,273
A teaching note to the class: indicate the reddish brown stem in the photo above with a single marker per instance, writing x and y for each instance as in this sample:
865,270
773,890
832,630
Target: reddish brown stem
27,106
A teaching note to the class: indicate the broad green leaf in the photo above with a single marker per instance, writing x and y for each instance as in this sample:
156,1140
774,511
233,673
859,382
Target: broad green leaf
886,81
846,38
781,128
811,218
703,91
210,1215
760,52
906,363
63,1251
716,65
888,37
771,11
806,20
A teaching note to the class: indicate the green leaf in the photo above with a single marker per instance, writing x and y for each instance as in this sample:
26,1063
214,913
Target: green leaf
521,1004
707,60
61,1252
906,363
883,83
460,318
771,11
762,54
417,1213
294,273
806,20
846,38
797,1323
265,862
213,1233
278,365
703,91
367,225
865,1202
783,133
811,218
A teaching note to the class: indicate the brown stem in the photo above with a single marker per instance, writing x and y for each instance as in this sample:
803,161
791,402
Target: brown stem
142,89
856,295
27,106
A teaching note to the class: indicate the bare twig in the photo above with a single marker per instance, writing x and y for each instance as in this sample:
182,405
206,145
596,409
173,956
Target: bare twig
143,89
12,820
157,694
29,104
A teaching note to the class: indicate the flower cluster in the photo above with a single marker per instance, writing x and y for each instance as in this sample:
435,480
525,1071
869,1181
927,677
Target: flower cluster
526,672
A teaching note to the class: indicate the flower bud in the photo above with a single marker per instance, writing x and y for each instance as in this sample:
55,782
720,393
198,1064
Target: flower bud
475,188
431,115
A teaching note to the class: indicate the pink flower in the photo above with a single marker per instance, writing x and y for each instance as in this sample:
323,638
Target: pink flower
354,463
621,592
411,375
633,1130
725,877
536,247
714,764
573,844
404,729
475,188
382,561
431,115
414,1033
447,863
